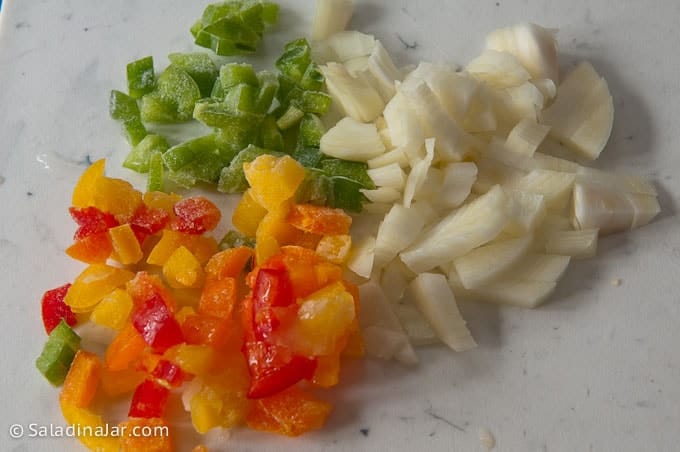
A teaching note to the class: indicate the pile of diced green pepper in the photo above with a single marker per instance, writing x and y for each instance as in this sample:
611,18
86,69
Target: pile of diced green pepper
251,113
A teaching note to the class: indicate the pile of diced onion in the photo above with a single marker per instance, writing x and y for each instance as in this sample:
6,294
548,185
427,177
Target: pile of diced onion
482,193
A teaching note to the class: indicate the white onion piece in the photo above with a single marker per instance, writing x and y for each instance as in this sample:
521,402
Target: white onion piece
352,140
331,17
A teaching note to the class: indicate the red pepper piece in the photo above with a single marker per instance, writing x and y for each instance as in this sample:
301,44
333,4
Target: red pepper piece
148,221
168,372
93,249
91,221
149,400
156,324
195,215
54,309
274,368
272,289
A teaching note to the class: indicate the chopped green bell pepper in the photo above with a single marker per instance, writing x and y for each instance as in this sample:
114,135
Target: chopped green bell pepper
173,99
140,77
297,55
234,239
58,353
233,179
355,171
232,74
311,131
155,181
200,67
124,109
138,158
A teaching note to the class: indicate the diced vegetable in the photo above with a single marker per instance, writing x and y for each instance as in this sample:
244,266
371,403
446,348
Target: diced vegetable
352,140
140,77
331,17
58,353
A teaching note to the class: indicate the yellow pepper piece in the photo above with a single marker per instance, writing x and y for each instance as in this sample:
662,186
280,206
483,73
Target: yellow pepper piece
160,200
206,408
83,193
248,214
327,373
201,247
193,359
117,197
93,284
334,248
182,269
126,249
324,318
222,399
91,429
273,180
113,310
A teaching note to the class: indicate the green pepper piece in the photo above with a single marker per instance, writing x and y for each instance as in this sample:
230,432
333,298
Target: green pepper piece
271,135
290,117
154,181
286,85
234,239
232,74
312,79
174,98
296,57
199,66
220,115
196,28
138,158
251,15
180,155
124,108
242,98
182,178
217,92
313,102
309,157
313,188
269,84
344,193
58,353
140,77
355,171
311,131
156,109
270,12
228,36
233,179
216,11
231,140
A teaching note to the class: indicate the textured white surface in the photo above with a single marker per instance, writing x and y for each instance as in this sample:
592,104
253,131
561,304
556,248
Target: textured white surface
596,369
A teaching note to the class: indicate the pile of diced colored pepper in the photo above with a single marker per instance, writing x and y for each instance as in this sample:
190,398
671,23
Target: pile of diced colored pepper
241,333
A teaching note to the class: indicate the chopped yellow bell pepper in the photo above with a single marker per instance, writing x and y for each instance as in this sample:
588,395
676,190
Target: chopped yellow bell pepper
248,214
273,180
113,310
126,249
182,269
334,248
117,197
160,200
91,429
201,247
193,359
93,284
83,193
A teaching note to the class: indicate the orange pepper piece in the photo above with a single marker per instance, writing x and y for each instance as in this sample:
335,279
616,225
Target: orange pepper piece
160,200
83,193
327,373
334,248
228,263
82,379
201,329
319,219
218,298
115,383
291,413
93,249
126,347
148,435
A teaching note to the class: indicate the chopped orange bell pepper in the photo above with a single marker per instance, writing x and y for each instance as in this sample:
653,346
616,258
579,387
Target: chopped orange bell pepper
327,373
93,249
319,220
82,380
247,214
93,284
115,383
354,346
126,247
228,263
273,180
145,286
182,269
145,434
160,200
83,193
203,329
290,413
218,297
126,347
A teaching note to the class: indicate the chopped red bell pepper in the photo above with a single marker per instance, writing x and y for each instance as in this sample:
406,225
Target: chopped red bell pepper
158,327
274,368
272,289
91,221
168,372
148,221
149,400
54,309
195,215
